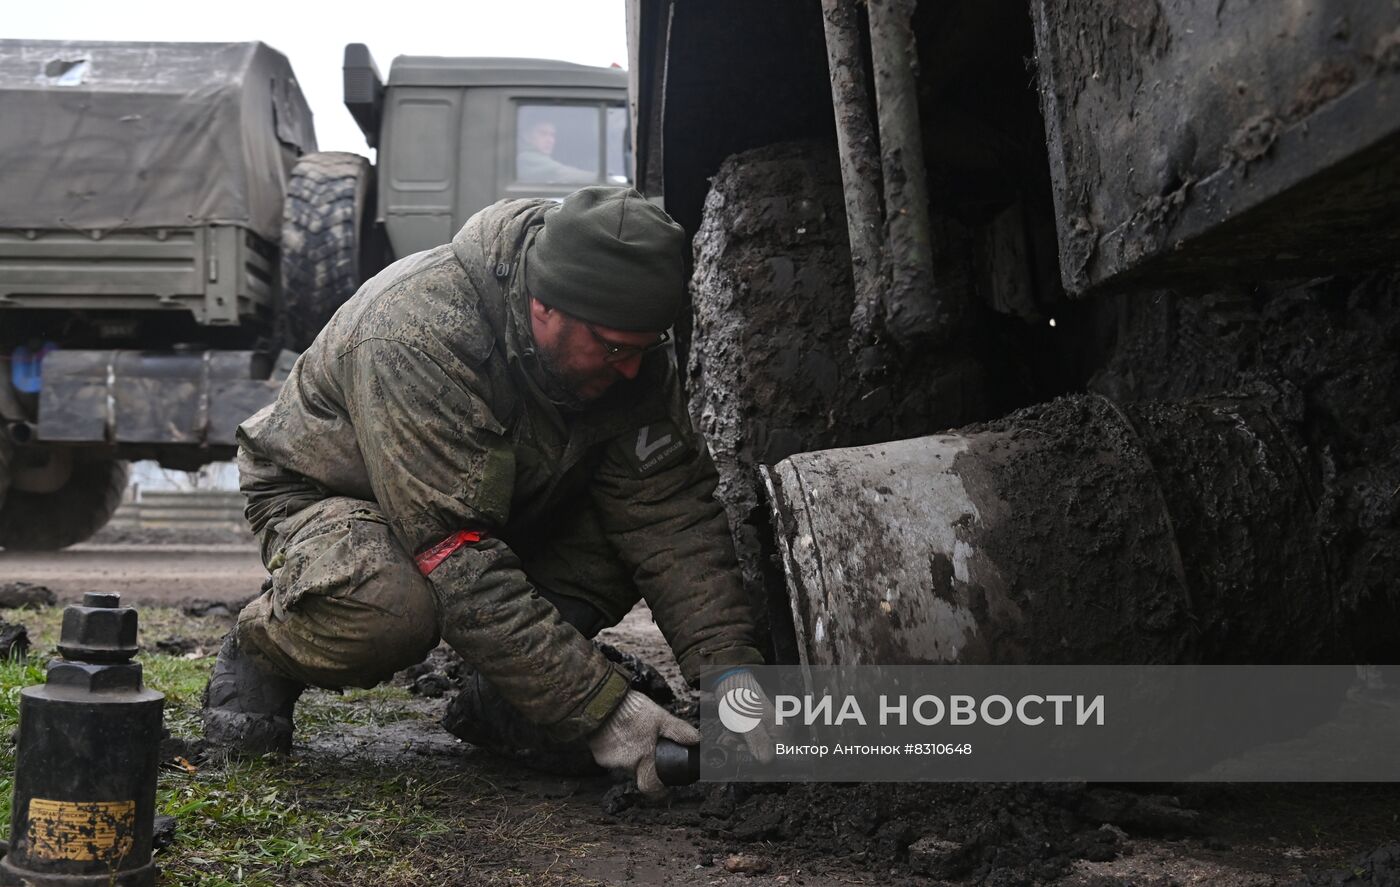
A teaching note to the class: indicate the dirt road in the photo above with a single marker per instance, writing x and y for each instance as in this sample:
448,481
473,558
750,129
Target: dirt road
141,573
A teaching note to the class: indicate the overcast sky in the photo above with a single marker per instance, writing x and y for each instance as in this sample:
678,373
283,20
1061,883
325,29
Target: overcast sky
313,35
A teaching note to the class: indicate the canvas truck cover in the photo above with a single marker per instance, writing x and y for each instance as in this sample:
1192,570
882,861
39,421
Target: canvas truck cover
100,135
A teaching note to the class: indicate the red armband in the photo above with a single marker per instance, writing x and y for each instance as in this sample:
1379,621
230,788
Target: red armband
428,560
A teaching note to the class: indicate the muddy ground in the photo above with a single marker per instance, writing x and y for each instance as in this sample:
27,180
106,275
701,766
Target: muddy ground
506,824
150,573
1002,834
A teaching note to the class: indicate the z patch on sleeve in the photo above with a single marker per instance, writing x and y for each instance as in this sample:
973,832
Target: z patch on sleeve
653,447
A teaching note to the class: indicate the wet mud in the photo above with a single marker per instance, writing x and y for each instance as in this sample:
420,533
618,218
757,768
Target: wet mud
1015,834
770,370
1329,350
1153,532
984,834
1380,866
26,594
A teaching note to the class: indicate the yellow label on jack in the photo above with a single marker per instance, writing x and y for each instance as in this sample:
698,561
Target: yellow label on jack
81,830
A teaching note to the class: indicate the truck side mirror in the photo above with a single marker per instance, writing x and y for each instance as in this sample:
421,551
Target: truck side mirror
364,90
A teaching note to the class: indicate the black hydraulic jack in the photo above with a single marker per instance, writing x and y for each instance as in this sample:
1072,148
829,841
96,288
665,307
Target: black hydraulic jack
89,747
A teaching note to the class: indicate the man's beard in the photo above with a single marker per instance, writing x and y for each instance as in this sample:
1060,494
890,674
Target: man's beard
560,385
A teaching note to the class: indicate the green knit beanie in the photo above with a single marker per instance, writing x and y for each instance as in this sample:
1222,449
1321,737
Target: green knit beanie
609,257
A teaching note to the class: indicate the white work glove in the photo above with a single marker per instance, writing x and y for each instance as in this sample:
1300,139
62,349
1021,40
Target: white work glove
760,739
627,739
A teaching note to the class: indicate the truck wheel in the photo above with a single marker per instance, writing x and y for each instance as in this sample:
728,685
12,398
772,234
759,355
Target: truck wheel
770,369
66,516
328,242
6,453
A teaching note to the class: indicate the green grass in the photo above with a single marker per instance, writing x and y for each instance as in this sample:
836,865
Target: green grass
14,676
316,818
253,823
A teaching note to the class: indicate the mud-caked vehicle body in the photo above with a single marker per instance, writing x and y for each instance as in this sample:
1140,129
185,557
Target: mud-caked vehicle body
170,237
1142,256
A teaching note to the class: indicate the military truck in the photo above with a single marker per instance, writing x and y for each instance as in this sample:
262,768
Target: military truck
1041,330
453,135
170,237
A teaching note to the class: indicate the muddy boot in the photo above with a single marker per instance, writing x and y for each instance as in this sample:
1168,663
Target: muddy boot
247,710
481,716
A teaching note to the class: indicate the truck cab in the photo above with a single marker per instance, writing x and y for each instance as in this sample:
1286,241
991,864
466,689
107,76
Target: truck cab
457,134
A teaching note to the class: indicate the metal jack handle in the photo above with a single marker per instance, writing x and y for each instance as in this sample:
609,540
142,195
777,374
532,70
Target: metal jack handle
677,764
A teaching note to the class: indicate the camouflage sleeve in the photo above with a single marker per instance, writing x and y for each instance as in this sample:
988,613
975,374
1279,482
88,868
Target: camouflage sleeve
438,463
515,638
655,490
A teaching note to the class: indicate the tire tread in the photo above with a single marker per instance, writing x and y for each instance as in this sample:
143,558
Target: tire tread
323,215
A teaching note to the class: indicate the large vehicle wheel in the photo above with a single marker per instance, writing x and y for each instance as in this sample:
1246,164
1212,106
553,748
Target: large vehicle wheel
6,454
56,518
770,370
329,245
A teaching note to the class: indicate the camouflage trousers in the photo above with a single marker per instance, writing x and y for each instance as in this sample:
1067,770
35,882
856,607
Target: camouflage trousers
347,606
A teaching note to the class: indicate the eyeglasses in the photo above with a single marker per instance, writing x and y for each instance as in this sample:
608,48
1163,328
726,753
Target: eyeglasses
617,353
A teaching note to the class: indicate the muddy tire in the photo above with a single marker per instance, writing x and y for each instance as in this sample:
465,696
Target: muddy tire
329,246
771,372
66,516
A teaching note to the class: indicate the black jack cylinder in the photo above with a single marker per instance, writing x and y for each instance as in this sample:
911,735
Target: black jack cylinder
85,772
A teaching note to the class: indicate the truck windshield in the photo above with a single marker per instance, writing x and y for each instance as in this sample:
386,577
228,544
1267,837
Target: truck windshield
570,144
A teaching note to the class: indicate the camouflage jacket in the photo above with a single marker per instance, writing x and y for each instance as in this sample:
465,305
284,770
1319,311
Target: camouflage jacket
418,395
